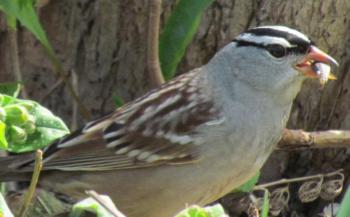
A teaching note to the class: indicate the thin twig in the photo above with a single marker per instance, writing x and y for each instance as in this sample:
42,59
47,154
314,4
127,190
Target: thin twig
112,210
58,83
13,51
35,177
74,124
154,69
60,72
298,139
299,179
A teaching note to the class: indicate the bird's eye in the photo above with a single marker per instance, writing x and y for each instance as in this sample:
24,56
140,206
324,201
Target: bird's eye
276,50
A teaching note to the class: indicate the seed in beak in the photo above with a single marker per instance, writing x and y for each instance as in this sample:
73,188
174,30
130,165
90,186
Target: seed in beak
323,72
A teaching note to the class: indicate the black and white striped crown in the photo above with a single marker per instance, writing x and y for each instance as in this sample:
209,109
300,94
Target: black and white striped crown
268,35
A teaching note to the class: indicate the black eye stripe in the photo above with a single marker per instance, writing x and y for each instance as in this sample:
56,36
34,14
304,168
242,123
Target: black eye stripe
292,39
299,49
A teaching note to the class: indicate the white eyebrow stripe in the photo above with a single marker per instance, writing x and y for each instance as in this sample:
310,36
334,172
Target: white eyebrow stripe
287,29
264,40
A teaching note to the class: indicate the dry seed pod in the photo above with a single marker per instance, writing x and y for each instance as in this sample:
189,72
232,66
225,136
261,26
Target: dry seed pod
256,201
279,200
275,212
310,190
332,188
253,211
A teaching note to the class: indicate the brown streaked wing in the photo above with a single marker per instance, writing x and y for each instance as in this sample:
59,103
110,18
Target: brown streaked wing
158,128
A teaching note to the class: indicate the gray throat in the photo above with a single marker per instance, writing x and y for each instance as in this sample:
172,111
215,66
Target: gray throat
253,119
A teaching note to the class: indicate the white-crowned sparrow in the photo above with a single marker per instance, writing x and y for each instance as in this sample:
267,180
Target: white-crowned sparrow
192,140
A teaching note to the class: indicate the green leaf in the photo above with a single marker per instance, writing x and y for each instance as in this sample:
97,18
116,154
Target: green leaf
266,204
24,11
249,185
193,211
178,33
6,100
3,141
4,209
11,89
48,127
344,210
22,2
11,22
118,101
196,211
93,206
2,115
215,211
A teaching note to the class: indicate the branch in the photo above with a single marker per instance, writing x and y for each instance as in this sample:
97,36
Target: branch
154,70
300,179
299,139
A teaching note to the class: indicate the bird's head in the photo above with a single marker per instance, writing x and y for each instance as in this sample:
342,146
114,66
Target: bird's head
276,58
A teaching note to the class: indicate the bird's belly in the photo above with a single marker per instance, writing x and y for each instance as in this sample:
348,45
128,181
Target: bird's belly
165,190
148,192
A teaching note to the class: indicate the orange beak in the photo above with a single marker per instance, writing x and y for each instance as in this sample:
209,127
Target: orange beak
314,65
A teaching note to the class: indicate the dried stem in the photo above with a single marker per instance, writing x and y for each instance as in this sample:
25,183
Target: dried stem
299,139
154,70
13,51
300,179
35,177
112,210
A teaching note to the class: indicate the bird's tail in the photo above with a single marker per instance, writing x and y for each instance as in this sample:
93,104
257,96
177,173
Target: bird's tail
16,167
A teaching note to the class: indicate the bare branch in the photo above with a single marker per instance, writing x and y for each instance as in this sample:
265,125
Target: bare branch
153,65
299,139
